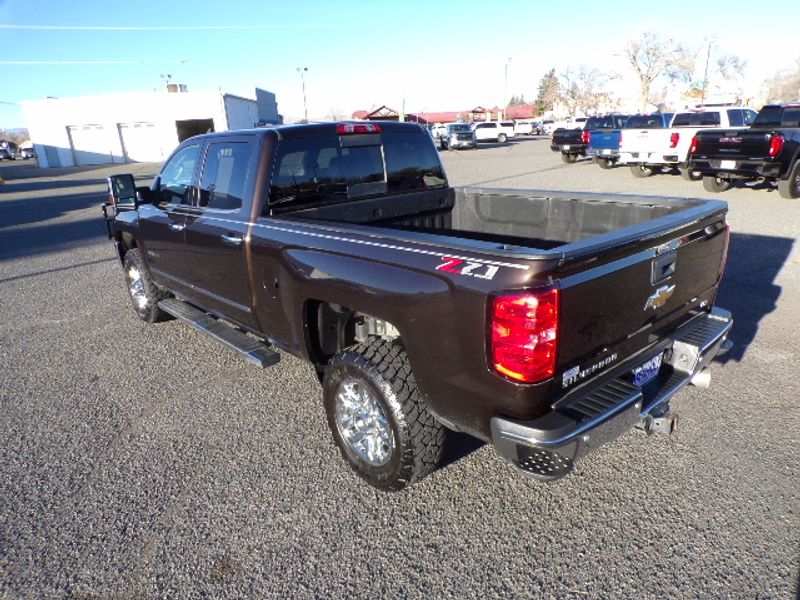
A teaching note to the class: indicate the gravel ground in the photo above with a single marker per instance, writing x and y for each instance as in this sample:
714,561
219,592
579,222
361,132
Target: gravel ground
148,462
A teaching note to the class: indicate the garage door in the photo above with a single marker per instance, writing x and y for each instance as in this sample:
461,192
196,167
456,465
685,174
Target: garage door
140,142
90,144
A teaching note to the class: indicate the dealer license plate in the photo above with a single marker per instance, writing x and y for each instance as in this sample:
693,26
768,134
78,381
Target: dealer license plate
566,147
647,372
606,151
727,164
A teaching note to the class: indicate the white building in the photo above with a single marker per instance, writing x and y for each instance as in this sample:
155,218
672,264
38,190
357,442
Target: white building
135,127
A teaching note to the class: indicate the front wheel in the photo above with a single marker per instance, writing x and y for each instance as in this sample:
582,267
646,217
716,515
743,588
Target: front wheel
143,291
641,171
569,158
378,420
715,184
606,163
690,175
791,187
501,138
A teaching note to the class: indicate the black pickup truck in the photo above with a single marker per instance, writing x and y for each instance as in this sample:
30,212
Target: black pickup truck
544,322
769,150
571,142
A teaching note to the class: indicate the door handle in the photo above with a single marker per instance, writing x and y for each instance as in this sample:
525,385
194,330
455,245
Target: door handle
234,240
177,226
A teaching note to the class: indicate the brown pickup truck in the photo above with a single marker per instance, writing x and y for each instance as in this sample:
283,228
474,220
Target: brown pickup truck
543,322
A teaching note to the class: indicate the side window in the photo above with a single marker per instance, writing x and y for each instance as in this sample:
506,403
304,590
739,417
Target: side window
791,117
735,117
176,176
226,175
749,116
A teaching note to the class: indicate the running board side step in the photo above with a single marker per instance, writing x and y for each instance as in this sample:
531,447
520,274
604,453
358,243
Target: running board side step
252,349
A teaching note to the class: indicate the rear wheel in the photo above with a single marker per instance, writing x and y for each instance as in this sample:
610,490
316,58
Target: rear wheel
381,425
569,158
606,163
690,175
715,184
501,138
642,171
791,187
143,291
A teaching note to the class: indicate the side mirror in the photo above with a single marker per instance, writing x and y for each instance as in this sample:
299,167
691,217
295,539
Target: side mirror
122,191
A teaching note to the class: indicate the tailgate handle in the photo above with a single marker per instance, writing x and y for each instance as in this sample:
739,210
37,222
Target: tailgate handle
664,267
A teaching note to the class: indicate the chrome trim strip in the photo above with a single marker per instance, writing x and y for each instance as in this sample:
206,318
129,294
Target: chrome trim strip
203,291
602,270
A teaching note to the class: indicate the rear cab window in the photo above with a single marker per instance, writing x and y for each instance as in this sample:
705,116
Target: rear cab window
312,172
645,122
701,119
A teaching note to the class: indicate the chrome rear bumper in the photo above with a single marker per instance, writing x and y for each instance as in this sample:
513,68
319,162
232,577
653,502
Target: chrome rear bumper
547,448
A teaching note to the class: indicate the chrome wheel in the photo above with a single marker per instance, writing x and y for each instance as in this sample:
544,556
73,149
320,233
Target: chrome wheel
137,288
362,423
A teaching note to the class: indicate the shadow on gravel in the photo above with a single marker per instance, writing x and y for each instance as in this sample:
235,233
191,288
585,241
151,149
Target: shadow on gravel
49,237
457,446
748,289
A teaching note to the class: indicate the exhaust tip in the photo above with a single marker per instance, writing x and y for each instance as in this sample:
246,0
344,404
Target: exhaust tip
701,379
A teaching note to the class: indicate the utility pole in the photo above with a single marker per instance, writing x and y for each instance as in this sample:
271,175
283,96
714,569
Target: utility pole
302,71
505,89
705,75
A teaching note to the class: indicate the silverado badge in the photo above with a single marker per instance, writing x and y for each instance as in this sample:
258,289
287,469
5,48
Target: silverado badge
659,297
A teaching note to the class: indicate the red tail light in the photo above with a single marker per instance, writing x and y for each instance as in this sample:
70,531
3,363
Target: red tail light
693,147
620,139
776,145
586,137
674,138
355,128
524,335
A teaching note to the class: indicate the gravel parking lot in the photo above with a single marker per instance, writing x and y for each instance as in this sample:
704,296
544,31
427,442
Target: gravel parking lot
148,462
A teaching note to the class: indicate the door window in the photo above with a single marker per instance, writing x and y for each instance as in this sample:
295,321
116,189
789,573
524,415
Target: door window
226,175
176,176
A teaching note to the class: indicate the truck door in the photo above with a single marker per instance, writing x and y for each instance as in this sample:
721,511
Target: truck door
217,228
162,223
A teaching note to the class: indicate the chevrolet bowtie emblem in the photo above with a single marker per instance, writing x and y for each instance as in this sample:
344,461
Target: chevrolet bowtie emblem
659,297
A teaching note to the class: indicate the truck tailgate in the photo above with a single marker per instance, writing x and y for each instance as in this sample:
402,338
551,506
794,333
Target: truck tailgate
613,310
733,144
566,136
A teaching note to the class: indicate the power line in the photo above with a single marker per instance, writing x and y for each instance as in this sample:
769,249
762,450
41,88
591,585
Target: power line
172,27
90,62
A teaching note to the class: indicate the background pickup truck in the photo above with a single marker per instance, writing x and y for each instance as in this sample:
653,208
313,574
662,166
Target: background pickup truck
670,147
640,135
769,150
546,323
571,141
603,141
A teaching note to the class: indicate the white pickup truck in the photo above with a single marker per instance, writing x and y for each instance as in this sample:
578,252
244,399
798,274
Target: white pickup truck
655,143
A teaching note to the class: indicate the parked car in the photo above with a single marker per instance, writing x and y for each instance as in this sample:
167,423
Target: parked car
669,148
8,150
26,152
769,150
493,131
571,141
573,316
602,142
457,135
437,130
547,127
523,127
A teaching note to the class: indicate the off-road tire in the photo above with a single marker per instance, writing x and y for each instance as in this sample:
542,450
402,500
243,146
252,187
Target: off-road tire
568,157
149,312
791,187
417,437
606,163
715,184
690,175
641,171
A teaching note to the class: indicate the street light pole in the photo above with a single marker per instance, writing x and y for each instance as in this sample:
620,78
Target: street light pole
302,71
705,75
505,89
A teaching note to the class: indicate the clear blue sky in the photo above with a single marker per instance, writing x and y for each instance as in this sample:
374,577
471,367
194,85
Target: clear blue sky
434,55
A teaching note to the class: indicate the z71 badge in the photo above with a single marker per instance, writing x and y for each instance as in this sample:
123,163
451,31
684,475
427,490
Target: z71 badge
465,267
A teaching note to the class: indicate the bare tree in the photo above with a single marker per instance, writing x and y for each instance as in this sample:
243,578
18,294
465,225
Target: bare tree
653,57
585,91
784,86
730,66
